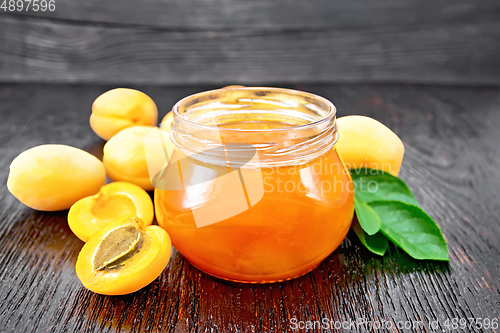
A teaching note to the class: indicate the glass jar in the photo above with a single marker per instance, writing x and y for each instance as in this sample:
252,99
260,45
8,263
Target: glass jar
255,190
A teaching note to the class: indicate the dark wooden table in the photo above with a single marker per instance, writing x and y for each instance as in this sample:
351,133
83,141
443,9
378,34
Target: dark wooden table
452,162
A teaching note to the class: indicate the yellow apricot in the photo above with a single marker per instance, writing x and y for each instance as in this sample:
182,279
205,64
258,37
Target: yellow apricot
233,86
90,214
121,108
54,177
167,121
136,154
123,257
366,143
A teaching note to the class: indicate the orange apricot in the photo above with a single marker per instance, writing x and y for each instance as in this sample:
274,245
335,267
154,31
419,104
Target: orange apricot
136,154
123,257
54,177
121,108
90,214
233,86
366,143
167,121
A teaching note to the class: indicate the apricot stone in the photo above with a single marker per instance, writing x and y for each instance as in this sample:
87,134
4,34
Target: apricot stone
54,177
366,143
121,108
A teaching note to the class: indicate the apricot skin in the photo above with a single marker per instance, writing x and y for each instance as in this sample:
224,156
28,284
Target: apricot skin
365,142
125,156
138,272
121,108
233,86
90,214
167,121
54,177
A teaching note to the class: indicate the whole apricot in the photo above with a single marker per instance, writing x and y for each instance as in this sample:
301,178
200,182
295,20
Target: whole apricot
366,143
121,108
123,257
136,154
90,214
54,177
167,121
233,86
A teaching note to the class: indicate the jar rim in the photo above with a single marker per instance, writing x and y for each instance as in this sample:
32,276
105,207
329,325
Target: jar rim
332,110
314,134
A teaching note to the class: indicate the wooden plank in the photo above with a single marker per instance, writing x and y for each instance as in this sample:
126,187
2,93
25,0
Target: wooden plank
37,50
272,14
451,163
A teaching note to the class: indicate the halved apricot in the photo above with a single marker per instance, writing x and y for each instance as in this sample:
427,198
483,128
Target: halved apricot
121,108
366,143
90,214
123,257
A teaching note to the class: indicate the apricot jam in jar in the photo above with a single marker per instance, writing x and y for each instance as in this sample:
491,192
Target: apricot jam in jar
254,190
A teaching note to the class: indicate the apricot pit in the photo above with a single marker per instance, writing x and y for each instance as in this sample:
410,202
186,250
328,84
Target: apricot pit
116,247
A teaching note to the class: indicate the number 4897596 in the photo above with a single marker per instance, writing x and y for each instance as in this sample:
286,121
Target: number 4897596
26,5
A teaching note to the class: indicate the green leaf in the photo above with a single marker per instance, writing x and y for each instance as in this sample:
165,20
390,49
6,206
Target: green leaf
367,217
410,228
377,243
373,185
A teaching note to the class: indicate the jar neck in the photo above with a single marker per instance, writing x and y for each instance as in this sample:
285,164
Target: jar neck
254,127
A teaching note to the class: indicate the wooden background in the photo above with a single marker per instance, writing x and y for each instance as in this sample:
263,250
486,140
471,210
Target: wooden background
253,42
54,64
451,162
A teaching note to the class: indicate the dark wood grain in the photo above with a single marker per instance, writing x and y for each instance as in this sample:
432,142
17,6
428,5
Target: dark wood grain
271,14
451,163
250,42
